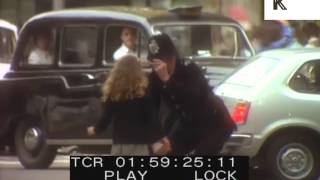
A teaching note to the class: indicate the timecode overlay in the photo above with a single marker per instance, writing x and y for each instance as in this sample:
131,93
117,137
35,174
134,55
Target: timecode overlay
159,167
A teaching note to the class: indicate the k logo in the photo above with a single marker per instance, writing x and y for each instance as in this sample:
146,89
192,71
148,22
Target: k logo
278,3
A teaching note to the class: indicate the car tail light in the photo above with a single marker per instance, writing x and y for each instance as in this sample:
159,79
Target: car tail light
240,112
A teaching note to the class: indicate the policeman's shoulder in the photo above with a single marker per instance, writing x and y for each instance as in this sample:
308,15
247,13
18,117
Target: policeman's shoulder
192,67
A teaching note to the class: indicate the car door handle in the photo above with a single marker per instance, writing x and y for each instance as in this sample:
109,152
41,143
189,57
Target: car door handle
89,76
204,69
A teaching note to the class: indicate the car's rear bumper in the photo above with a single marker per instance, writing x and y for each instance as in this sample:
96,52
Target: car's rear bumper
242,145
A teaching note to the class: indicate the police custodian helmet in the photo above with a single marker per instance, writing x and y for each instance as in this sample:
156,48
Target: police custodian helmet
161,47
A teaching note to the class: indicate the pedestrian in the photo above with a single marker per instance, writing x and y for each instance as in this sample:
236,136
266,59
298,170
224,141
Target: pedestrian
41,54
129,42
192,117
128,104
311,33
274,35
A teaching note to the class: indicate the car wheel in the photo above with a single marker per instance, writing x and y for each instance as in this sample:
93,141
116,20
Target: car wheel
31,148
293,157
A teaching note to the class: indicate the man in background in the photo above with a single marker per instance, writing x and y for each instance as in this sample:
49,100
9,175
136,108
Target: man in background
40,54
129,41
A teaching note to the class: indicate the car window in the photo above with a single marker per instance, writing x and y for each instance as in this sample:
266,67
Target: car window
40,47
253,72
307,78
122,40
207,40
7,45
79,45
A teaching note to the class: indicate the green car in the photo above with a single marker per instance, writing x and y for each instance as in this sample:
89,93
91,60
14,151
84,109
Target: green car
275,100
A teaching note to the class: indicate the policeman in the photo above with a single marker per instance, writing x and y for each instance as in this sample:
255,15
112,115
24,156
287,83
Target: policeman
193,118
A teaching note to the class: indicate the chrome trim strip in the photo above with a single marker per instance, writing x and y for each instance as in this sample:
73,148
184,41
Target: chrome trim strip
63,79
241,136
60,70
239,140
79,141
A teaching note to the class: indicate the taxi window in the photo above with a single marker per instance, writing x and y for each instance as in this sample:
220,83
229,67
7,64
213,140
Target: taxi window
122,40
7,45
207,40
79,45
40,47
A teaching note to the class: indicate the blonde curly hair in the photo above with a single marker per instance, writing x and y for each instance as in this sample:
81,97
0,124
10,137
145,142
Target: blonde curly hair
126,80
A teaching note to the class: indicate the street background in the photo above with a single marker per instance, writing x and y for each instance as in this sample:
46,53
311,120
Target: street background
247,12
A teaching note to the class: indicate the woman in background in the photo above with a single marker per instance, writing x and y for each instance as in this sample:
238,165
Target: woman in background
128,105
311,32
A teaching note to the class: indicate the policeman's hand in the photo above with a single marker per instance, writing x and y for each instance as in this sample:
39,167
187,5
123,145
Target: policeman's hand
162,147
161,69
91,131
167,144
156,147
161,150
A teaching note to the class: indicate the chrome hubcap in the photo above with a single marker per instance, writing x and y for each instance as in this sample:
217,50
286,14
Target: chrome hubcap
32,138
295,161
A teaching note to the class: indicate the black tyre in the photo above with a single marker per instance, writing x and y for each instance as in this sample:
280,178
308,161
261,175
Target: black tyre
293,157
31,148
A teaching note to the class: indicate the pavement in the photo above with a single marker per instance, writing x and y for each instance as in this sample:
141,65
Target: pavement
23,174
11,169
12,162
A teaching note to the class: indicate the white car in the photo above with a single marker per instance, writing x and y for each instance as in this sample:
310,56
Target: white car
8,39
275,100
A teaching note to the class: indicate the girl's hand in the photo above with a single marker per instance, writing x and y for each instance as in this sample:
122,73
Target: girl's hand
91,131
161,69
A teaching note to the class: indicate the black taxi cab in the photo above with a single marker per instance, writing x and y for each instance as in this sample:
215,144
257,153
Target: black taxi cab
50,97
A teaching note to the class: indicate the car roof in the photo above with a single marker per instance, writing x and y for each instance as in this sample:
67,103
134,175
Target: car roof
130,13
7,25
292,54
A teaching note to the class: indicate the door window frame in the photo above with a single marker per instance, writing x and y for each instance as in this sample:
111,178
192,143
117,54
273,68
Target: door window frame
140,31
297,72
62,46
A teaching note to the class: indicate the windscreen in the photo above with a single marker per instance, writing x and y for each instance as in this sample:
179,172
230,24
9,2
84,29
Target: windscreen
207,41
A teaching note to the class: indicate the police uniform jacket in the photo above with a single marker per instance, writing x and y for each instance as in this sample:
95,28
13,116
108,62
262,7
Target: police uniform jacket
192,123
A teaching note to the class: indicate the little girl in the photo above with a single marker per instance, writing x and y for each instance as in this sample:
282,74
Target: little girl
128,105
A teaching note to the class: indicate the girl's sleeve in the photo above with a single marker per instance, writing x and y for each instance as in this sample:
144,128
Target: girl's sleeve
151,115
105,120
